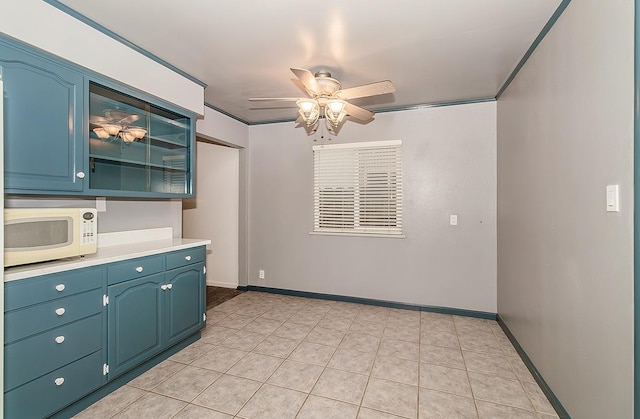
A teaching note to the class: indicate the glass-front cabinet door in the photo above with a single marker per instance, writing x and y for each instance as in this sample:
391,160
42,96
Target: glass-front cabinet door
136,146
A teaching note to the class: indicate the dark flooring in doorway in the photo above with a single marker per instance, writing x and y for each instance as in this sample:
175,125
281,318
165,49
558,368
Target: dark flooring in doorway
218,295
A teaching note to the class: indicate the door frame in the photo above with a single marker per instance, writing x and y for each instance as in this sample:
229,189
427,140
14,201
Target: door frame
636,214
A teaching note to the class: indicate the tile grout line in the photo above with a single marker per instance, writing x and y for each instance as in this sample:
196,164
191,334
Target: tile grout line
466,369
503,353
265,381
222,374
323,369
236,363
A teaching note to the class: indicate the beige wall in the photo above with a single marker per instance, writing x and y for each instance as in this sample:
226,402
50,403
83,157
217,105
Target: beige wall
449,160
565,265
213,214
44,26
121,215
222,129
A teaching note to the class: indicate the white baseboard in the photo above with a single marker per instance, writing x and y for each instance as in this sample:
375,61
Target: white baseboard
222,284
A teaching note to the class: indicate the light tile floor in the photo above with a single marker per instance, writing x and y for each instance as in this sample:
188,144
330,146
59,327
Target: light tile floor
273,356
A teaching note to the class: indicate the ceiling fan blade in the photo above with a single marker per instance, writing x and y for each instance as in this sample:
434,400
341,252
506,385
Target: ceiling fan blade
309,81
371,89
129,119
273,99
98,120
358,112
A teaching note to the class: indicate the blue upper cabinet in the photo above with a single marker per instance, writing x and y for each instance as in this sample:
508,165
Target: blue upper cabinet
43,124
70,131
137,147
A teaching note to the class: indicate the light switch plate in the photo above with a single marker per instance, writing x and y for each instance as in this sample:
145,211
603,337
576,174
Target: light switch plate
453,219
613,198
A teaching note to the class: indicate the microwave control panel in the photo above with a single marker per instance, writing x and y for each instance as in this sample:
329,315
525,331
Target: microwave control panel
88,228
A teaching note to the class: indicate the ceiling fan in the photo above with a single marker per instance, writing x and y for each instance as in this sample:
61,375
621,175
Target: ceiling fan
117,123
328,100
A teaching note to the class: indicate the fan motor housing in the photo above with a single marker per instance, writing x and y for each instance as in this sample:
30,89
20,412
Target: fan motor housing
329,85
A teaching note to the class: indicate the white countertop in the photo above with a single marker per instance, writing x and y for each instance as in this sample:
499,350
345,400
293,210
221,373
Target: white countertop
104,255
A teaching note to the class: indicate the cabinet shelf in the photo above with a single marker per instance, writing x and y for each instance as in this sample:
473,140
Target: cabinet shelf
161,141
136,163
179,124
167,141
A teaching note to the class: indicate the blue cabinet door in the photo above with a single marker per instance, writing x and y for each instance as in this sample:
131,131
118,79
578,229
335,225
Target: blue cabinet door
135,322
184,302
43,124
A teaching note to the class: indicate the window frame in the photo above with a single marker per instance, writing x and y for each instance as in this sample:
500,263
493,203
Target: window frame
362,169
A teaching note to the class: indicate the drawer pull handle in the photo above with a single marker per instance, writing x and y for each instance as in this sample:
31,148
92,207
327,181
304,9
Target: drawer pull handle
59,381
139,269
163,287
60,339
169,286
60,287
80,175
187,257
60,311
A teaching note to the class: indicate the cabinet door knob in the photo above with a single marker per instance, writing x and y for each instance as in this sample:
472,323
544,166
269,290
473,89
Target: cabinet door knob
60,287
139,269
80,175
187,257
163,287
60,311
59,381
169,286
59,339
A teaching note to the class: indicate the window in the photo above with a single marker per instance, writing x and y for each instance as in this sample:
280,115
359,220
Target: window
357,188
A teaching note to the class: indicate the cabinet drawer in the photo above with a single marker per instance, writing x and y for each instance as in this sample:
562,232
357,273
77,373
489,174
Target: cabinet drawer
134,268
185,257
35,319
44,396
30,358
26,292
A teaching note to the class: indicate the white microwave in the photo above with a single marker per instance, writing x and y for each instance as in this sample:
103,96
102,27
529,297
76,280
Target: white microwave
39,234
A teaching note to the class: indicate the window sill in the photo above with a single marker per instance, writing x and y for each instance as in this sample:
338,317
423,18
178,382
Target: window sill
376,235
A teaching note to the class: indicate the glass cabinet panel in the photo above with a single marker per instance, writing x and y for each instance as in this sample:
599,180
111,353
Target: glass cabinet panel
136,146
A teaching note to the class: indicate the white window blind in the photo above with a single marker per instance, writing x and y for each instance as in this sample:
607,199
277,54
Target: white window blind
358,188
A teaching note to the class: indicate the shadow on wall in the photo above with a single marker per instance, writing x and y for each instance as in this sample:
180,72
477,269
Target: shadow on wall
188,204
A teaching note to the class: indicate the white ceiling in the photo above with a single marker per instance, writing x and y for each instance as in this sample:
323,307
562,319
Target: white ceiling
433,50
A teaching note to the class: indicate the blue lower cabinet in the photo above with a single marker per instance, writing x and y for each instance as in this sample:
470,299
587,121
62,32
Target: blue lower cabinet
54,341
135,322
183,302
70,333
51,392
22,323
150,314
59,346
27,292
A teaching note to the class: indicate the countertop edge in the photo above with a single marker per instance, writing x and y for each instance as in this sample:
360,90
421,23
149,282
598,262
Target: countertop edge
103,256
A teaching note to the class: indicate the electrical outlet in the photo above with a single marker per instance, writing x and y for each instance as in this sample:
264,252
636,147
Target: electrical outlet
261,274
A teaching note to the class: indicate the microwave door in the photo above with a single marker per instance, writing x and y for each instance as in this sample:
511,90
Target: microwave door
37,239
39,234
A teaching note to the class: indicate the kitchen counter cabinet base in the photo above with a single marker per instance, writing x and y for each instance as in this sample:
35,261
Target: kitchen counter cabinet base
135,323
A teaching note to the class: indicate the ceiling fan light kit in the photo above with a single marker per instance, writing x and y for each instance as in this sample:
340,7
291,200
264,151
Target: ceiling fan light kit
101,133
309,110
119,129
327,100
128,135
335,111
